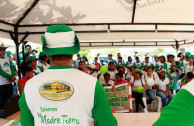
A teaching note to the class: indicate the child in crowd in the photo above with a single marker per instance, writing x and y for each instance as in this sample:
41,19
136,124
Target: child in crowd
189,66
43,61
32,60
160,64
146,62
121,69
84,58
120,62
119,79
76,62
112,71
169,63
149,75
102,62
131,74
83,67
110,59
107,81
187,79
174,78
144,70
27,73
96,63
92,68
129,63
135,82
162,87
137,64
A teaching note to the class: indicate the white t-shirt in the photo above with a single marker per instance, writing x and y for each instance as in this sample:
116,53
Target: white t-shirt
162,84
109,82
136,83
94,75
45,67
145,76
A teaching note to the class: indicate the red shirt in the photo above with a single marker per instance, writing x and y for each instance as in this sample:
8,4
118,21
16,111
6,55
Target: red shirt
22,80
123,82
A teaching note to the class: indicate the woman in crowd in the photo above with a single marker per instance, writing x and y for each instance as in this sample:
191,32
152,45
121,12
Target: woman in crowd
162,87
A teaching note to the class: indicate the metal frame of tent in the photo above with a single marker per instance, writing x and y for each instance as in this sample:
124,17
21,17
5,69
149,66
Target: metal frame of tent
15,34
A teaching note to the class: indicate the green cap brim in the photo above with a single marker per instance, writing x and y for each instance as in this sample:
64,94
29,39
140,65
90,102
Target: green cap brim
61,51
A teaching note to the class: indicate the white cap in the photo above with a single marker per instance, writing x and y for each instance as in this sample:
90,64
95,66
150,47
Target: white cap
92,66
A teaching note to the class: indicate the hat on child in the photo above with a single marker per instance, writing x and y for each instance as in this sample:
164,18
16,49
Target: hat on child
137,71
60,40
31,58
170,55
92,66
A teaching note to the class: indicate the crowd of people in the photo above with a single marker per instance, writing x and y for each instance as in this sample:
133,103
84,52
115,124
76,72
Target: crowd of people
167,74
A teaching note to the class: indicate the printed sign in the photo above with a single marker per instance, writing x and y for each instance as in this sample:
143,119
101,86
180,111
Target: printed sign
120,97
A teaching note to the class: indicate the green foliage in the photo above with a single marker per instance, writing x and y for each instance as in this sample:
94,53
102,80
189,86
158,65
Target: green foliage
112,51
38,48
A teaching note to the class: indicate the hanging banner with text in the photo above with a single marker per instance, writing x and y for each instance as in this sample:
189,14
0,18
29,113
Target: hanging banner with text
120,97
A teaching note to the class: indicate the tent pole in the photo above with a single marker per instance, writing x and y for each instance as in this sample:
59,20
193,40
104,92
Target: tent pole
23,44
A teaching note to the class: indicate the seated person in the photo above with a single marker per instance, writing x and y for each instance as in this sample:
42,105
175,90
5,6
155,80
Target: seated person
92,68
186,79
135,82
83,67
122,70
107,81
27,73
119,79
162,87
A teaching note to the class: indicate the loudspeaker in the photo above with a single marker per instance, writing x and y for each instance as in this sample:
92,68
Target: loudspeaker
11,107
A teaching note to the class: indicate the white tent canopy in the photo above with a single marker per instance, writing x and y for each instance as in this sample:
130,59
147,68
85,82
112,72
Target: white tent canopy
102,23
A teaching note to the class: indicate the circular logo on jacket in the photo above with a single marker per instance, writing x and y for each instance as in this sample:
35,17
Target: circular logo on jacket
56,90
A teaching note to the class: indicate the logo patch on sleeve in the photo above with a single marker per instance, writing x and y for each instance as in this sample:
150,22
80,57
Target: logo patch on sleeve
56,90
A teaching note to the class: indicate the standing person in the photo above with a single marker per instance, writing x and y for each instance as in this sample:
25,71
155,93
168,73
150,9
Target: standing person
161,63
9,54
102,62
110,59
34,52
162,87
169,63
73,97
146,62
120,62
27,73
174,78
155,61
96,63
135,82
43,58
7,76
28,48
83,67
137,64
77,60
32,60
189,66
129,63
85,59
118,56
